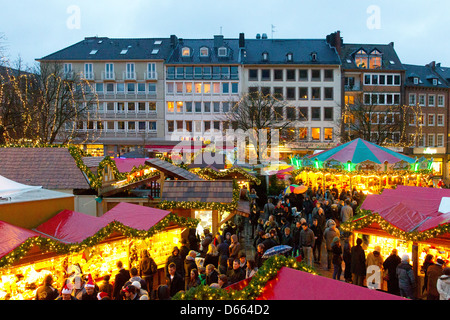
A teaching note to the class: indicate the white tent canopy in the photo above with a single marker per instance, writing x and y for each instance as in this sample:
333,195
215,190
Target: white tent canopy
10,188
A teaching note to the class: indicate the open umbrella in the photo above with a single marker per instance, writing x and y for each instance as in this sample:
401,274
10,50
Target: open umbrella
300,189
276,250
291,188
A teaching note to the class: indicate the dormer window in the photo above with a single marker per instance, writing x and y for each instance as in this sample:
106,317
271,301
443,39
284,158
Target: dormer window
222,52
265,56
186,52
204,52
375,59
416,80
289,57
361,59
435,82
313,56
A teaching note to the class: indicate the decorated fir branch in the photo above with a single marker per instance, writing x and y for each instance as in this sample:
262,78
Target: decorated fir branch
209,173
55,246
367,217
381,174
255,287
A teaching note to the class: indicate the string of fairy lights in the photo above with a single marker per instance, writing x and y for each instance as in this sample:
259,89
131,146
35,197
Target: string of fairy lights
50,107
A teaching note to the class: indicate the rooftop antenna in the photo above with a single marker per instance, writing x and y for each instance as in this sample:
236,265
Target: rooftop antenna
273,30
221,30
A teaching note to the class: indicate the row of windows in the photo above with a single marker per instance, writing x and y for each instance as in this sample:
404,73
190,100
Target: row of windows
305,114
314,134
422,99
127,107
205,72
376,79
381,98
117,126
429,140
202,87
429,120
122,88
297,93
290,75
198,107
109,72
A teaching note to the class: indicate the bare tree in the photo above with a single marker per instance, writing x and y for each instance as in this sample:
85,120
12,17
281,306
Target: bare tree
47,106
257,113
386,125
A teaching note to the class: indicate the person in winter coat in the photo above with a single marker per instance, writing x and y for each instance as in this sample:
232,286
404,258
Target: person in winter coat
193,240
119,281
189,264
330,233
212,276
307,243
212,256
235,247
406,279
175,258
194,280
237,274
148,269
336,251
347,257
259,260
296,238
427,262
390,265
375,258
318,237
47,291
174,280
358,263
434,272
443,285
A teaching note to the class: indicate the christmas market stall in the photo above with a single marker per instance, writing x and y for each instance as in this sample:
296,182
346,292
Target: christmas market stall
413,220
74,244
362,165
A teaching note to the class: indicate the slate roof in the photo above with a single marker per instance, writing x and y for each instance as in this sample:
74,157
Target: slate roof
171,170
388,54
444,72
301,50
425,75
111,48
212,44
51,168
205,191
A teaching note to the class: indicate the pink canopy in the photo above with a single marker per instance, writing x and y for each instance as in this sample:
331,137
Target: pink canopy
410,208
126,165
13,237
291,284
74,227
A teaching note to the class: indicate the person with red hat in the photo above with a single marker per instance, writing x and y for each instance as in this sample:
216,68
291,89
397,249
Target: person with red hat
91,291
66,293
103,296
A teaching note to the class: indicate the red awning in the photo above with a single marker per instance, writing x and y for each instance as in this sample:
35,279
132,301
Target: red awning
291,284
13,237
74,227
410,208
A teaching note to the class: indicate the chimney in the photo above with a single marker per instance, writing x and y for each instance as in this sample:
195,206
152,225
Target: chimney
432,64
241,40
335,41
391,44
264,36
258,36
173,40
218,41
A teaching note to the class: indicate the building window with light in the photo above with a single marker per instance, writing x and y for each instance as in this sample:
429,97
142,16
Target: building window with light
315,134
328,134
361,59
186,52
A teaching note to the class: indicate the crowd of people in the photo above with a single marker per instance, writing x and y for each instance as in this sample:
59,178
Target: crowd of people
309,223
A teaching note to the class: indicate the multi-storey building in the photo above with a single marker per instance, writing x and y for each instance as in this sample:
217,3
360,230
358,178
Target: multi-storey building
428,128
306,74
202,81
127,76
373,78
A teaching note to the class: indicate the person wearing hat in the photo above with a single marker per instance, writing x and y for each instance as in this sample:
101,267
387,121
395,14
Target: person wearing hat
329,234
103,296
434,272
66,293
336,250
406,279
91,292
131,292
175,258
139,289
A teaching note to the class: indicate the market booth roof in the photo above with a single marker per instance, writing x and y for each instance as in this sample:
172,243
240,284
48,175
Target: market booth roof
74,227
411,208
359,150
291,284
13,237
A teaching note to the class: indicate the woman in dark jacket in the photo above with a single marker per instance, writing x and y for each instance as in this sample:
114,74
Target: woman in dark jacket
336,249
358,263
346,256
148,269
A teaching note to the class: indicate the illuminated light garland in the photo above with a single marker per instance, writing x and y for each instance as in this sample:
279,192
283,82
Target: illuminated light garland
367,217
209,173
255,287
55,246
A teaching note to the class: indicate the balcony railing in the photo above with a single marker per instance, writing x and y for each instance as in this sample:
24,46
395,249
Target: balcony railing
151,75
108,75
